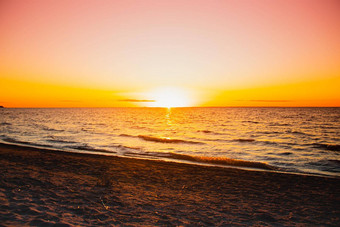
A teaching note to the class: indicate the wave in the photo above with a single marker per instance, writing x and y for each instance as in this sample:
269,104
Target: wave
232,140
161,139
210,132
330,165
130,147
166,140
244,140
51,129
15,141
266,142
254,122
270,132
285,145
218,160
89,148
204,131
329,127
139,127
296,132
126,135
4,124
60,141
279,124
329,147
285,153
96,124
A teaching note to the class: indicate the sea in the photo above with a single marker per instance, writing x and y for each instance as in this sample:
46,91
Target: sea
297,140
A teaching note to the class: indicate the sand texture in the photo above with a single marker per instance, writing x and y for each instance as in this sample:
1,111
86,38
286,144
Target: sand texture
47,188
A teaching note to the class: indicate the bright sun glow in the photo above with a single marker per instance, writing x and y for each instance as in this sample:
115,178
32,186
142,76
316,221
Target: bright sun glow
170,97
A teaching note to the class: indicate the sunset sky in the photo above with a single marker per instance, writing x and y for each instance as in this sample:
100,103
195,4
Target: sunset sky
83,53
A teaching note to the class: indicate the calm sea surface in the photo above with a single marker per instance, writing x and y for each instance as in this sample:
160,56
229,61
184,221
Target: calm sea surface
303,140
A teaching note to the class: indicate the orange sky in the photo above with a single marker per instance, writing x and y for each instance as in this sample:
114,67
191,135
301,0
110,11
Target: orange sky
81,53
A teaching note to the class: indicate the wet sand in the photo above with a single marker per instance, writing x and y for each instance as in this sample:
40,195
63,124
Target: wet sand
42,187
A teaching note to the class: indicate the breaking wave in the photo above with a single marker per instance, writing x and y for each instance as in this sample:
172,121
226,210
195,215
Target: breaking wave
161,139
89,148
45,128
60,141
15,141
166,140
217,160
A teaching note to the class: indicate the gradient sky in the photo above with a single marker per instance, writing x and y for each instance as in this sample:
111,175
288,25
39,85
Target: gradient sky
82,53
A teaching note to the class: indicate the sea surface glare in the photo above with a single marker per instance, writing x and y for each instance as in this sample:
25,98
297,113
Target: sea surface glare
303,140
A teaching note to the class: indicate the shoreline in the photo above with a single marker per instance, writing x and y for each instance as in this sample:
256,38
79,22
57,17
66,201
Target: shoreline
43,186
189,160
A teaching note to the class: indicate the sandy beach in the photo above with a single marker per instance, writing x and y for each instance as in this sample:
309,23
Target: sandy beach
50,188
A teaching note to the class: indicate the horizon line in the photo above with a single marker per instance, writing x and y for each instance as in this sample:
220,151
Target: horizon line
43,107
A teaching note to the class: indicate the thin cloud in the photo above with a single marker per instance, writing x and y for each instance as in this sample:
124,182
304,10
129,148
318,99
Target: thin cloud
136,100
264,100
69,101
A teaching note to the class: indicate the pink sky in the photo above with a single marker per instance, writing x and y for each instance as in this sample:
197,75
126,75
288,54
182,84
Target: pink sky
136,45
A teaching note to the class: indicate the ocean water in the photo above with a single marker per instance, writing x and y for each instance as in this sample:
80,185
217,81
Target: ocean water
302,140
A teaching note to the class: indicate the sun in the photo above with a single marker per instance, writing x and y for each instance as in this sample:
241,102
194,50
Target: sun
170,97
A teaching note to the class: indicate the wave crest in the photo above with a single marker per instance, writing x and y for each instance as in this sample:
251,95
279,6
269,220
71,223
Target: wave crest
59,141
244,140
166,140
161,139
15,141
221,161
5,124
89,148
330,147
